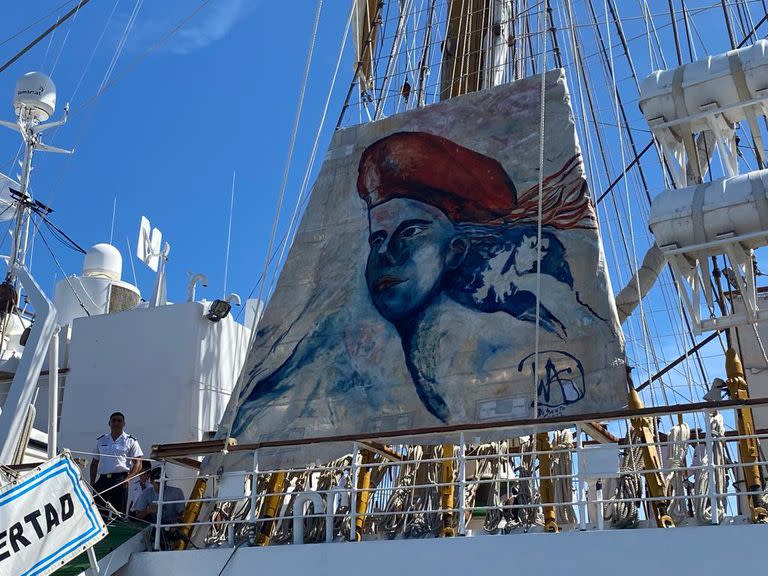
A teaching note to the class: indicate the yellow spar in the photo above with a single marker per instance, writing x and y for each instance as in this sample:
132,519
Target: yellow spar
748,447
364,486
447,492
546,486
654,479
271,504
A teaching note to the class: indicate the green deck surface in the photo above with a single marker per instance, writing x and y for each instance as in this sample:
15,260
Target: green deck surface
119,533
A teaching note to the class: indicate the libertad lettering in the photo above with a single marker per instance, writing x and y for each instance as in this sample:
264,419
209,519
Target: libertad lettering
35,526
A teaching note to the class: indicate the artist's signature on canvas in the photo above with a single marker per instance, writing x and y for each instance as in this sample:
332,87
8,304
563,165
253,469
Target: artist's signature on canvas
559,380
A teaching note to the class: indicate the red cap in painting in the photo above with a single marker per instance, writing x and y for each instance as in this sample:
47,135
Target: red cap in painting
466,185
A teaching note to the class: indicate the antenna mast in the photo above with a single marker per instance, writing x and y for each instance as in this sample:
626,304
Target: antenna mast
34,102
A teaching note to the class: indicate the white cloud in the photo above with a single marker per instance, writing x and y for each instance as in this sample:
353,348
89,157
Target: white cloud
212,24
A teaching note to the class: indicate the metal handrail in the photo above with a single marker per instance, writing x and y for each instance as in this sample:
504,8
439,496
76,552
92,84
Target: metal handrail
166,451
294,510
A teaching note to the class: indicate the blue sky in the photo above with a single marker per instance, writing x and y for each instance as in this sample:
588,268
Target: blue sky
218,96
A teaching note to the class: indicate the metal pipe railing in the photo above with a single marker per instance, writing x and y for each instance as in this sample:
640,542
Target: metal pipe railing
304,485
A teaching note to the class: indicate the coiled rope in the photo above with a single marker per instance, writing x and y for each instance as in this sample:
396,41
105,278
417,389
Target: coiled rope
623,511
679,437
562,471
702,508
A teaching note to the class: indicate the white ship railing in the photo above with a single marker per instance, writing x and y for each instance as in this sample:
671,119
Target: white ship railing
238,521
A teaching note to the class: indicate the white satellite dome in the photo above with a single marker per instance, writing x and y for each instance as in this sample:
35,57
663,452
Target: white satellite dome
35,96
103,260
7,209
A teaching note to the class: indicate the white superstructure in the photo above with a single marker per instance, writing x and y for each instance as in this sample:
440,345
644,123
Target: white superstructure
169,369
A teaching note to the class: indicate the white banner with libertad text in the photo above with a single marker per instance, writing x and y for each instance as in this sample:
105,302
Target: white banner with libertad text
46,518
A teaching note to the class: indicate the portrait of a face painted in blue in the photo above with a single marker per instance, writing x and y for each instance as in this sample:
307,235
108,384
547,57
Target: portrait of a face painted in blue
412,247
447,239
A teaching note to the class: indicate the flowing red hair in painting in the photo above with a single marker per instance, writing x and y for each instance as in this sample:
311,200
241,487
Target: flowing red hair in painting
565,201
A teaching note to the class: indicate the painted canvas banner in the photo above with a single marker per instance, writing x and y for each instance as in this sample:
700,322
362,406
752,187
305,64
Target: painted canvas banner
409,295
46,519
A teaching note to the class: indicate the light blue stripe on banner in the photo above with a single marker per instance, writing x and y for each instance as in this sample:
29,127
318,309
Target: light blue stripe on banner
55,556
60,553
65,466
75,542
36,480
81,495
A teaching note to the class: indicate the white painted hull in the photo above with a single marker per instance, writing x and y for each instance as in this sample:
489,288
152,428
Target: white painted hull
695,550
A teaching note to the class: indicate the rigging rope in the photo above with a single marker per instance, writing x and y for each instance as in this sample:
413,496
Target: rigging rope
287,239
493,465
539,214
400,500
121,45
634,264
284,183
702,507
679,436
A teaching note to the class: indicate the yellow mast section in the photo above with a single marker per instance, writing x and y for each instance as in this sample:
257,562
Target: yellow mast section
367,24
749,450
463,51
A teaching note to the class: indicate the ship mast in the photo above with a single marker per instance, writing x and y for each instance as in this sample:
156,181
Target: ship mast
34,103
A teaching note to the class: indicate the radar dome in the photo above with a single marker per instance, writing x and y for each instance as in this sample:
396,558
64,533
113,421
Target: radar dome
35,97
103,260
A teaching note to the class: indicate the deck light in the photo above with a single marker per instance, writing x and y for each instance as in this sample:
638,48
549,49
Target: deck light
218,310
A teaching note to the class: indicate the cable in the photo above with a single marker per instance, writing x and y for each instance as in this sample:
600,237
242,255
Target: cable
61,269
229,234
231,555
105,86
63,44
34,42
32,25
136,61
93,52
62,236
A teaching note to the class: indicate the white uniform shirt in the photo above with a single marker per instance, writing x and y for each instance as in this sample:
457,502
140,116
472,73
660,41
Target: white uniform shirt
116,456
135,489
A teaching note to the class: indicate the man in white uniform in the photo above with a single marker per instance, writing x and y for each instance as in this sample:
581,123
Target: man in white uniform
117,458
